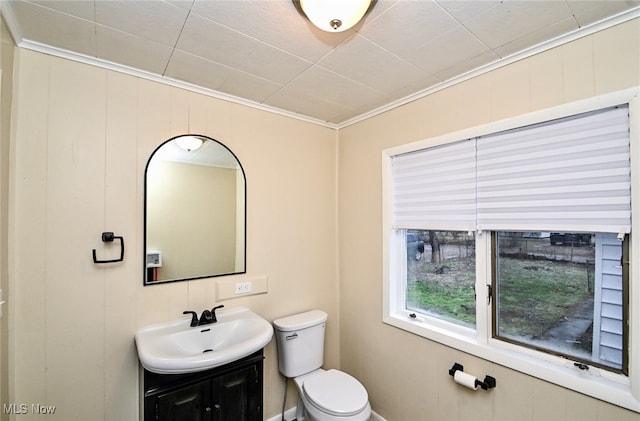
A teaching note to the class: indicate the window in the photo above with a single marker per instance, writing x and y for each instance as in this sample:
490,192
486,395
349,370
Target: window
441,282
511,242
562,293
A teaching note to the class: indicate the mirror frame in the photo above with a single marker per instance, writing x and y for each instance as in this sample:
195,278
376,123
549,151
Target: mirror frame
144,227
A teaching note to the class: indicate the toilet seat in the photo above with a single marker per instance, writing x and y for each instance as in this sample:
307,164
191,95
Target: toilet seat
337,393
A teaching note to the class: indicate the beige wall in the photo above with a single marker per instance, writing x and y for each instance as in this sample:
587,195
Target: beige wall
6,86
82,138
406,375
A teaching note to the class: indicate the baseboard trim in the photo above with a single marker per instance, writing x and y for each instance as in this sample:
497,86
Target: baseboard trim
289,414
376,417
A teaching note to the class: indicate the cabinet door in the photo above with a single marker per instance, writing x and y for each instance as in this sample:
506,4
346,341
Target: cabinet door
189,403
238,396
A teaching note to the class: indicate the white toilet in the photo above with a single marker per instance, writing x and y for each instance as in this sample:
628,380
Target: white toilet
325,395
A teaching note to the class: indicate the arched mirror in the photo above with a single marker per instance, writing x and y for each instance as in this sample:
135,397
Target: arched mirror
195,211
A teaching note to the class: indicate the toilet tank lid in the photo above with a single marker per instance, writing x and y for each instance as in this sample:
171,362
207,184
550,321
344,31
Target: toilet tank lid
300,321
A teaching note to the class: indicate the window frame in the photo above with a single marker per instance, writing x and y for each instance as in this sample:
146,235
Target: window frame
619,389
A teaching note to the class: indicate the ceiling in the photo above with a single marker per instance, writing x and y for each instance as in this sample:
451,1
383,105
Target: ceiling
265,54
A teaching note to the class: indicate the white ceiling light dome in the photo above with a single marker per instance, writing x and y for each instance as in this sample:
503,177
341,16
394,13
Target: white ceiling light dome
334,15
189,143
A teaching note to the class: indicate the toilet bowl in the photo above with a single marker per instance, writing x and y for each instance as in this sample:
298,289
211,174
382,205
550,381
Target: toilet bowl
331,396
325,395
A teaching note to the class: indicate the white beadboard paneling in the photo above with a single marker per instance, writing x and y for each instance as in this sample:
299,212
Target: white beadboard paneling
577,69
609,60
154,127
75,215
28,286
121,198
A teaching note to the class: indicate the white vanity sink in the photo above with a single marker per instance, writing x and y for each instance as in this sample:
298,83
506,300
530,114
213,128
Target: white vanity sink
175,347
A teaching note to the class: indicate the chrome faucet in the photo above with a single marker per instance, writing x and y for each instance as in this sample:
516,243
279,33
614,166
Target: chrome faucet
208,316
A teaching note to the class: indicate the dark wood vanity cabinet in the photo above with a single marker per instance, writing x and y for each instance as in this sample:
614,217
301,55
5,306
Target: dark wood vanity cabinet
188,402
231,392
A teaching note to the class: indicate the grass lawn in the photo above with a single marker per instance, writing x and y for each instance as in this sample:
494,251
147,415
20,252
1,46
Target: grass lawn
534,294
445,289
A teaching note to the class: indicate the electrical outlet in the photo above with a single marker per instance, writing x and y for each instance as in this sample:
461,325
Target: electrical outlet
243,287
240,287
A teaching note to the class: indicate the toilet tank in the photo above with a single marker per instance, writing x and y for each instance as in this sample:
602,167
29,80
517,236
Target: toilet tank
300,340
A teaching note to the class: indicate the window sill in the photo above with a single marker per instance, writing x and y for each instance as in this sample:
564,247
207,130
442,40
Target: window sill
595,382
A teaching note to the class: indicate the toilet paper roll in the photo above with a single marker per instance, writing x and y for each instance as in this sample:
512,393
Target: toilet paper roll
467,380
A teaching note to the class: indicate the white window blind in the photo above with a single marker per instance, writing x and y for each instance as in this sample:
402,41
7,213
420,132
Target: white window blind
435,188
565,175
571,174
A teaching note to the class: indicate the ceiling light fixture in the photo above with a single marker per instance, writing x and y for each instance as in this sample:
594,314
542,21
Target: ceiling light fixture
334,15
189,143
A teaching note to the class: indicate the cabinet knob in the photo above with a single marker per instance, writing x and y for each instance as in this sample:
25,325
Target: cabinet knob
216,407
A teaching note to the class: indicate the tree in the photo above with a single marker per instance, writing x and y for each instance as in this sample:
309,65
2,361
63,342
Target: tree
434,241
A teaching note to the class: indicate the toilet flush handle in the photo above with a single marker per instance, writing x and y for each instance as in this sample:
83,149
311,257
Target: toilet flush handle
290,337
